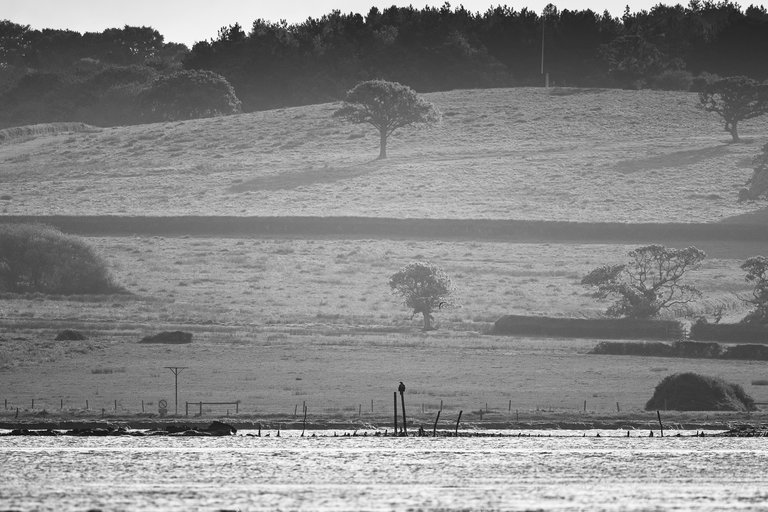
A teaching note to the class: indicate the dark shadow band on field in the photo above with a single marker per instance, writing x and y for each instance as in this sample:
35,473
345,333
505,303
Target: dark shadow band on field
390,228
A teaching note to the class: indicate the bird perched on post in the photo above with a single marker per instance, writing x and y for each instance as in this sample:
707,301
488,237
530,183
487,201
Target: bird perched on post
401,388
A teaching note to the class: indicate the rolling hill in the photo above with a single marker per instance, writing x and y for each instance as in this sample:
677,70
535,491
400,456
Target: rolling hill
589,155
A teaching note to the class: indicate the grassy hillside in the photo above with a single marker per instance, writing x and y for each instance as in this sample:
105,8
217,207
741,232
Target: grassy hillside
586,155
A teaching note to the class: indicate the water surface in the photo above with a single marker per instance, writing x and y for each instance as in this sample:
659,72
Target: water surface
562,472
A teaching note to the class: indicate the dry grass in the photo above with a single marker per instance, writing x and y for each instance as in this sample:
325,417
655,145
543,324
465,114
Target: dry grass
279,322
603,155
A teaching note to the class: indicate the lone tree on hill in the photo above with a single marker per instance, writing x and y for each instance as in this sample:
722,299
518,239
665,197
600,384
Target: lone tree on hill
649,283
735,98
757,273
386,106
425,288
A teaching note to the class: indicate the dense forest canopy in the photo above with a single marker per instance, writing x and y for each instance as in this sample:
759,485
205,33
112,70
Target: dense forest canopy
52,75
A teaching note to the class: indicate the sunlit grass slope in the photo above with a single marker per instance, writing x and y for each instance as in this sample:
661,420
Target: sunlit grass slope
562,154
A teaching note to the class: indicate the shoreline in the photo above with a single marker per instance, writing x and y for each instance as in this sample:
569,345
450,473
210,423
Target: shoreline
672,420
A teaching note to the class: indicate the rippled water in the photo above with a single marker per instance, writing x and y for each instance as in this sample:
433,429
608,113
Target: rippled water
563,472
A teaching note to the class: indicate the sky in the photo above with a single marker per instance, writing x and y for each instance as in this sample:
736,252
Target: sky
188,21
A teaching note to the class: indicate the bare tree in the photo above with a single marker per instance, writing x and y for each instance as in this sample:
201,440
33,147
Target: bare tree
649,283
386,106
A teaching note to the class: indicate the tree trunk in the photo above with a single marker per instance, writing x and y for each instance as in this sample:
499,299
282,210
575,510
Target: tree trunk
427,320
382,144
734,130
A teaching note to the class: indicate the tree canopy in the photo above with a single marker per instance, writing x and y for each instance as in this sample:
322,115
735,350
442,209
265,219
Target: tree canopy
735,98
276,64
756,268
386,106
425,287
648,283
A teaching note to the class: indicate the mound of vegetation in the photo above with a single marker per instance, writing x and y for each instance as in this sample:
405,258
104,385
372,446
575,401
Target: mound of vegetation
694,392
39,258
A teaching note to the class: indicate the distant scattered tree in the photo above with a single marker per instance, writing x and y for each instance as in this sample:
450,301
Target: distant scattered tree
757,274
425,288
189,95
757,185
649,283
735,98
37,258
386,106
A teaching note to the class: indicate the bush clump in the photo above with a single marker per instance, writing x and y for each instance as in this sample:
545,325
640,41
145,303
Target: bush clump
694,392
39,258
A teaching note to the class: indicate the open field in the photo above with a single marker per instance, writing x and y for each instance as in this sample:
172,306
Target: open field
563,154
280,319
280,322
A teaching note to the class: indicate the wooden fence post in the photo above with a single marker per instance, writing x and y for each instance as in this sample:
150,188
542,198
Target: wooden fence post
434,428
395,396
405,426
456,431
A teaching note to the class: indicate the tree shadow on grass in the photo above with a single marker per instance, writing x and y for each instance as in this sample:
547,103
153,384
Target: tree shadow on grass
305,177
676,159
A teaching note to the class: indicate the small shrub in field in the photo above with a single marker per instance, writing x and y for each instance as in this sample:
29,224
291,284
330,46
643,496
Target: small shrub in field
38,258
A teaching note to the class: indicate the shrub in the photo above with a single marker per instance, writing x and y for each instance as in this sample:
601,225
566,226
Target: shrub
188,95
425,288
39,258
694,392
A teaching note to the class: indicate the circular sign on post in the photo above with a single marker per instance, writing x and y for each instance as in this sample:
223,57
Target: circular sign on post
163,404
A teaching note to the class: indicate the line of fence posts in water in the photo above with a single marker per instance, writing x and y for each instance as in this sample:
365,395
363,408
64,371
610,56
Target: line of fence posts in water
398,426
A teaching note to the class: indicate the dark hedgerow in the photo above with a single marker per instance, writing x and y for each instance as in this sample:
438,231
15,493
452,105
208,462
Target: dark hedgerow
39,258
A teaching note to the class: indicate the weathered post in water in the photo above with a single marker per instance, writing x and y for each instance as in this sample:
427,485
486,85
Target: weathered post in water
395,397
456,431
434,428
401,389
661,426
